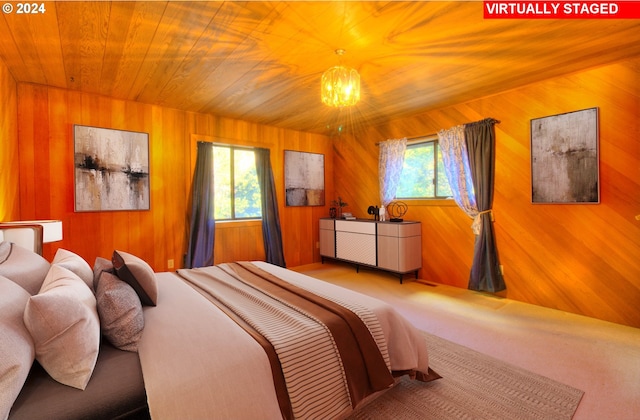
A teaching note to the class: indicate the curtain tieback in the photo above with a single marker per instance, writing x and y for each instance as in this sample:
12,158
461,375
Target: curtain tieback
476,226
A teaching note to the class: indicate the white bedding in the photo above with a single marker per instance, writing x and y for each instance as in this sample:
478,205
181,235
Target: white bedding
198,363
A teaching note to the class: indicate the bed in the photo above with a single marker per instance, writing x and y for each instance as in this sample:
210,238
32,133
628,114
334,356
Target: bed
203,343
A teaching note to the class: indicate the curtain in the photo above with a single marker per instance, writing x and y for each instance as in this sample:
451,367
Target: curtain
456,166
468,153
390,168
485,270
202,229
271,232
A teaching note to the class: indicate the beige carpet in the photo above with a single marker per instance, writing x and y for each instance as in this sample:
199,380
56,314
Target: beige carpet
598,357
473,386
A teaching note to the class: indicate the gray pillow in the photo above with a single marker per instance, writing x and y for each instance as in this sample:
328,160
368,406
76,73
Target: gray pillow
120,310
16,346
22,266
99,266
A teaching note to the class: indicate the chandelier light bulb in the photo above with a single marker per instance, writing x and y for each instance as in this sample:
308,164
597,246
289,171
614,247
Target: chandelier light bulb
340,86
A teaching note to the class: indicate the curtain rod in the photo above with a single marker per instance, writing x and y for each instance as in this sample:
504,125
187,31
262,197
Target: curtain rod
409,139
235,146
435,135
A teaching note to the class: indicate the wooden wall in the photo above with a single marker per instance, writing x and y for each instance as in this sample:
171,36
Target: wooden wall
577,258
9,201
45,121
583,259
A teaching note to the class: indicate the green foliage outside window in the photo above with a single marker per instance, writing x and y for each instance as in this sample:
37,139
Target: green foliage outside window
247,190
423,174
237,192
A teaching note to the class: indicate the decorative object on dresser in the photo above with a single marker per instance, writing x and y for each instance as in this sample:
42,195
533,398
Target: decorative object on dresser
394,247
374,211
397,210
338,205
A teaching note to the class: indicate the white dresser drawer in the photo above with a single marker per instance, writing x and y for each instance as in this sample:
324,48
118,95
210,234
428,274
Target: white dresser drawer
399,230
356,226
327,224
356,247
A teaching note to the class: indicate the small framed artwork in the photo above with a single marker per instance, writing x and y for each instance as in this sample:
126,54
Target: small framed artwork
111,169
303,178
564,158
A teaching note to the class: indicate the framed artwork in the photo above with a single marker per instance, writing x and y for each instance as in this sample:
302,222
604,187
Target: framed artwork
303,178
111,169
564,158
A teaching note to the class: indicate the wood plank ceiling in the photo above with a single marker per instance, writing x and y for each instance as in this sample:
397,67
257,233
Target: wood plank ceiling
262,61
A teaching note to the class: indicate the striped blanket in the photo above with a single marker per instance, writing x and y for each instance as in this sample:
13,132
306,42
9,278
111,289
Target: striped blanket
228,360
325,358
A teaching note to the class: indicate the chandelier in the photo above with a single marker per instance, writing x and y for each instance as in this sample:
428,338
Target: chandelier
340,85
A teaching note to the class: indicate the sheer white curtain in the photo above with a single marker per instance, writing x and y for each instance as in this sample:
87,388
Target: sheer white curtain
390,168
456,164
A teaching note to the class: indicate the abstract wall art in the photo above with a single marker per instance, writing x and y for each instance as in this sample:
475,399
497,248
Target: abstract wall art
111,169
564,158
303,178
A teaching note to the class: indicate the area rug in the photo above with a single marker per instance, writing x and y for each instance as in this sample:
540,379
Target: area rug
473,386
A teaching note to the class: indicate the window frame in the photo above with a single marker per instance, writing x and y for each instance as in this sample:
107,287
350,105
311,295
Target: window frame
232,149
436,199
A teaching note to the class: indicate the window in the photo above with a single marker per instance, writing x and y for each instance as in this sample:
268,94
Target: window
423,172
236,189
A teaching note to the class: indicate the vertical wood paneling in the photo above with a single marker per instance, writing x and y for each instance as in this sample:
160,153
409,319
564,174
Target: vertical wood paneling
9,169
45,120
576,258
238,242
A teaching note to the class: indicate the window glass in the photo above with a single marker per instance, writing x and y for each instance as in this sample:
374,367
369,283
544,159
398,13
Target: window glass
423,174
442,185
222,182
237,192
246,188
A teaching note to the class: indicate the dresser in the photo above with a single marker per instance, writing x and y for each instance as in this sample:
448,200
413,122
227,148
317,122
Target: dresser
391,246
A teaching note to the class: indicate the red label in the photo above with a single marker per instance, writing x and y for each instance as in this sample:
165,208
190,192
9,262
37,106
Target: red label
562,9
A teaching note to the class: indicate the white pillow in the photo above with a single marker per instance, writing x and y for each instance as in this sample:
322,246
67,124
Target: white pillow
65,327
76,264
16,345
24,267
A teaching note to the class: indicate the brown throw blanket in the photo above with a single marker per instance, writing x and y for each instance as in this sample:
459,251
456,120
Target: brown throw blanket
323,356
